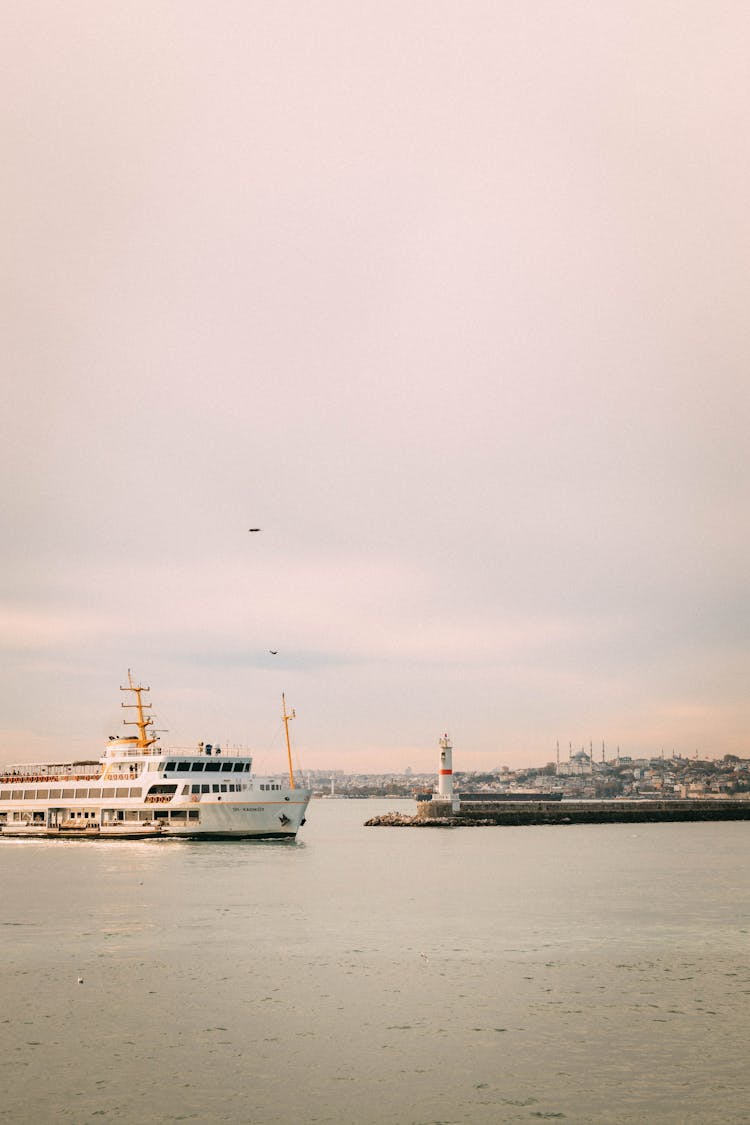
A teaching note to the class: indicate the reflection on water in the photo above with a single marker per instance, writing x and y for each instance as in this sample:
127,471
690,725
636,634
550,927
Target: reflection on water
593,974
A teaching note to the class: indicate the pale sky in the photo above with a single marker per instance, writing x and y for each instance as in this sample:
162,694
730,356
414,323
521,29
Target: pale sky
451,300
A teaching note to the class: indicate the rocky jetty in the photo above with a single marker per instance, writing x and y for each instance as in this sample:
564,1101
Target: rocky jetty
398,820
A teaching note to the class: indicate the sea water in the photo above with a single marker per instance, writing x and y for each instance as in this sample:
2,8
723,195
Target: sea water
596,974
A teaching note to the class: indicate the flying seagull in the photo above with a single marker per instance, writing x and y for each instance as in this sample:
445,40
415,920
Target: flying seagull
253,529
274,651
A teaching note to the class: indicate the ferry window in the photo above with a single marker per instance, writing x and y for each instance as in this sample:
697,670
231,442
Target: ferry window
215,788
67,793
170,765
5,795
183,765
213,767
29,794
54,794
238,767
42,794
197,767
95,793
223,788
121,793
105,793
205,788
136,792
192,814
226,767
232,788
195,788
247,766
185,789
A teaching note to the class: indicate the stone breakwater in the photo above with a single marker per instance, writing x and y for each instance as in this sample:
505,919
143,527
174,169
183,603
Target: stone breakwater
437,814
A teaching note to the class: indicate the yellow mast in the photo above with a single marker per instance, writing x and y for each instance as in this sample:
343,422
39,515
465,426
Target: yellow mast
142,722
286,719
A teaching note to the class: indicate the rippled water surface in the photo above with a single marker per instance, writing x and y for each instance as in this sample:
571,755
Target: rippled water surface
590,974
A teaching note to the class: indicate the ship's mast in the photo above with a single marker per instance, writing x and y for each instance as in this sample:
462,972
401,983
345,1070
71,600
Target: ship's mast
286,719
143,721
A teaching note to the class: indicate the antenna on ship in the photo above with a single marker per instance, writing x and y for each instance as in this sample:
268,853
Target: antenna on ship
286,719
143,721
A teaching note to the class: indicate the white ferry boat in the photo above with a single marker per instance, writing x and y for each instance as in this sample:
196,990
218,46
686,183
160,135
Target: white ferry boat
139,790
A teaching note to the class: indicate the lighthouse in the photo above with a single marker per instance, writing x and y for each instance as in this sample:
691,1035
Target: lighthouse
445,776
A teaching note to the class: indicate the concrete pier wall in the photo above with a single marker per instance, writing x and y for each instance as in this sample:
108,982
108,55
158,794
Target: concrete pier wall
439,814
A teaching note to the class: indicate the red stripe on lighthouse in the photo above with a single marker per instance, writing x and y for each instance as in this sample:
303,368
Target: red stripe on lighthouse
446,771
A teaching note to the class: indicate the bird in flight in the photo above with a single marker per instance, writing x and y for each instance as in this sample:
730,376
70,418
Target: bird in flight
274,651
253,529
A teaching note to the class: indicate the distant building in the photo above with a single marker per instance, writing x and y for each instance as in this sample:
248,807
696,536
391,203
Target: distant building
577,765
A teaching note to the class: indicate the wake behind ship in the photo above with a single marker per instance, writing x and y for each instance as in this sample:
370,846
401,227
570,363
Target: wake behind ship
139,790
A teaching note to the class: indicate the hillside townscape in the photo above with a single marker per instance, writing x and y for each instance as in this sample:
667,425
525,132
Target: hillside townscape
578,776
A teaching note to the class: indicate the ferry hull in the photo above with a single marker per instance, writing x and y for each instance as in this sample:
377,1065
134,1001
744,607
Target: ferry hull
231,820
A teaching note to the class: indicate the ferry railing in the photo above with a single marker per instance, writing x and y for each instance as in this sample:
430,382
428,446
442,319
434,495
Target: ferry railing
46,777
115,751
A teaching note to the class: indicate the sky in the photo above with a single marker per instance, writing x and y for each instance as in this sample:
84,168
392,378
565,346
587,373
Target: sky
450,300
